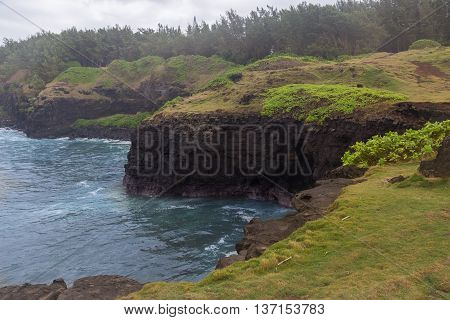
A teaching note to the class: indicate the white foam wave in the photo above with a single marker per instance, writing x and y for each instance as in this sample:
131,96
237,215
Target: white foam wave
95,192
181,207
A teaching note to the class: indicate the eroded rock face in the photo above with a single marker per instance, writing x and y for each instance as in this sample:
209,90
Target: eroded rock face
168,156
34,292
317,150
439,167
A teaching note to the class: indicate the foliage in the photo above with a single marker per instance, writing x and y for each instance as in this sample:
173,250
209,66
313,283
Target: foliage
172,103
315,103
79,75
346,28
348,253
117,120
424,44
394,147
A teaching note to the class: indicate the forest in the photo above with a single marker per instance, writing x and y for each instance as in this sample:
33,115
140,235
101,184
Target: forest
348,27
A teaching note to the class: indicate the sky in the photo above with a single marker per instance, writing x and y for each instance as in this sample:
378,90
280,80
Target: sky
57,15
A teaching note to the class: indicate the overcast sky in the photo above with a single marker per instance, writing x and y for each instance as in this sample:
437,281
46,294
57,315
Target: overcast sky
56,15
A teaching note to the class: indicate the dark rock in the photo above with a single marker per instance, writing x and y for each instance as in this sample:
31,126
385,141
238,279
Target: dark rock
314,203
346,172
235,77
34,292
397,179
247,98
228,261
101,288
360,85
439,167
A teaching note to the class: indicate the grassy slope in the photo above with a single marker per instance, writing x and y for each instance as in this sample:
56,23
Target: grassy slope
399,73
379,242
192,71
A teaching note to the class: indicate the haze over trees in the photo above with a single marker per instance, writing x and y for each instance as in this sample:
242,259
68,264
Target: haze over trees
346,28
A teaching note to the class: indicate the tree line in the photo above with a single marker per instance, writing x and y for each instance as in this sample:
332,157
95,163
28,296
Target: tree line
346,28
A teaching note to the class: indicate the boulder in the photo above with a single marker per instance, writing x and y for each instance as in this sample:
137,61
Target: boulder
439,167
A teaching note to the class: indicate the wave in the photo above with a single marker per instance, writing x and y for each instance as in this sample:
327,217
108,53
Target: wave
94,193
180,207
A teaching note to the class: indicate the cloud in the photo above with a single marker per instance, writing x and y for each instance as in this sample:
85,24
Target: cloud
56,15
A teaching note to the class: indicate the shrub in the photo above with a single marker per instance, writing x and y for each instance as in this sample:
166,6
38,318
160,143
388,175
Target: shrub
423,44
315,103
394,147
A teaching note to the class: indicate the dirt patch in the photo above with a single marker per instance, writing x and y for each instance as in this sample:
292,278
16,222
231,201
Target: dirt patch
425,69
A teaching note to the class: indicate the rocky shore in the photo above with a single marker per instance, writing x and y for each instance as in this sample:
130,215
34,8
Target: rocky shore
90,288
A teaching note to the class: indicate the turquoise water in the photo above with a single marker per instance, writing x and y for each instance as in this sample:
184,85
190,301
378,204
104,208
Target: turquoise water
63,213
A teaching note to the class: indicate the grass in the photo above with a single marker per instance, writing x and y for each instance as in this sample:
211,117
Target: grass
117,120
380,241
399,73
192,72
424,44
315,103
79,75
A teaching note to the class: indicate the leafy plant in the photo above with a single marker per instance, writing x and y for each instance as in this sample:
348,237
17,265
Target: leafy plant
394,147
315,103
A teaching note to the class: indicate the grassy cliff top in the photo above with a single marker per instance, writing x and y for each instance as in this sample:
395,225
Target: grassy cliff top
415,75
192,72
380,241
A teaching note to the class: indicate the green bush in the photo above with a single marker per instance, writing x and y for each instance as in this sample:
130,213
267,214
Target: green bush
423,44
315,103
394,147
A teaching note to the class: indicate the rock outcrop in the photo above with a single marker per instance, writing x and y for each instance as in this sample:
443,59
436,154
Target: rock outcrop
439,167
90,288
169,140
100,288
310,205
34,292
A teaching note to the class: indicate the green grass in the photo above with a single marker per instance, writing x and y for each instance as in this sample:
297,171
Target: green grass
424,44
117,120
393,147
380,241
79,75
133,71
378,78
315,103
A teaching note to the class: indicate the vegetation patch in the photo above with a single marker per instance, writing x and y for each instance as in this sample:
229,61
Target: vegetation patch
226,78
394,147
117,120
315,103
79,75
378,242
135,70
424,44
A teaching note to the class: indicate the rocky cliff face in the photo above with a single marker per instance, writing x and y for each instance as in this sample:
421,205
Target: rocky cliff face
168,152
